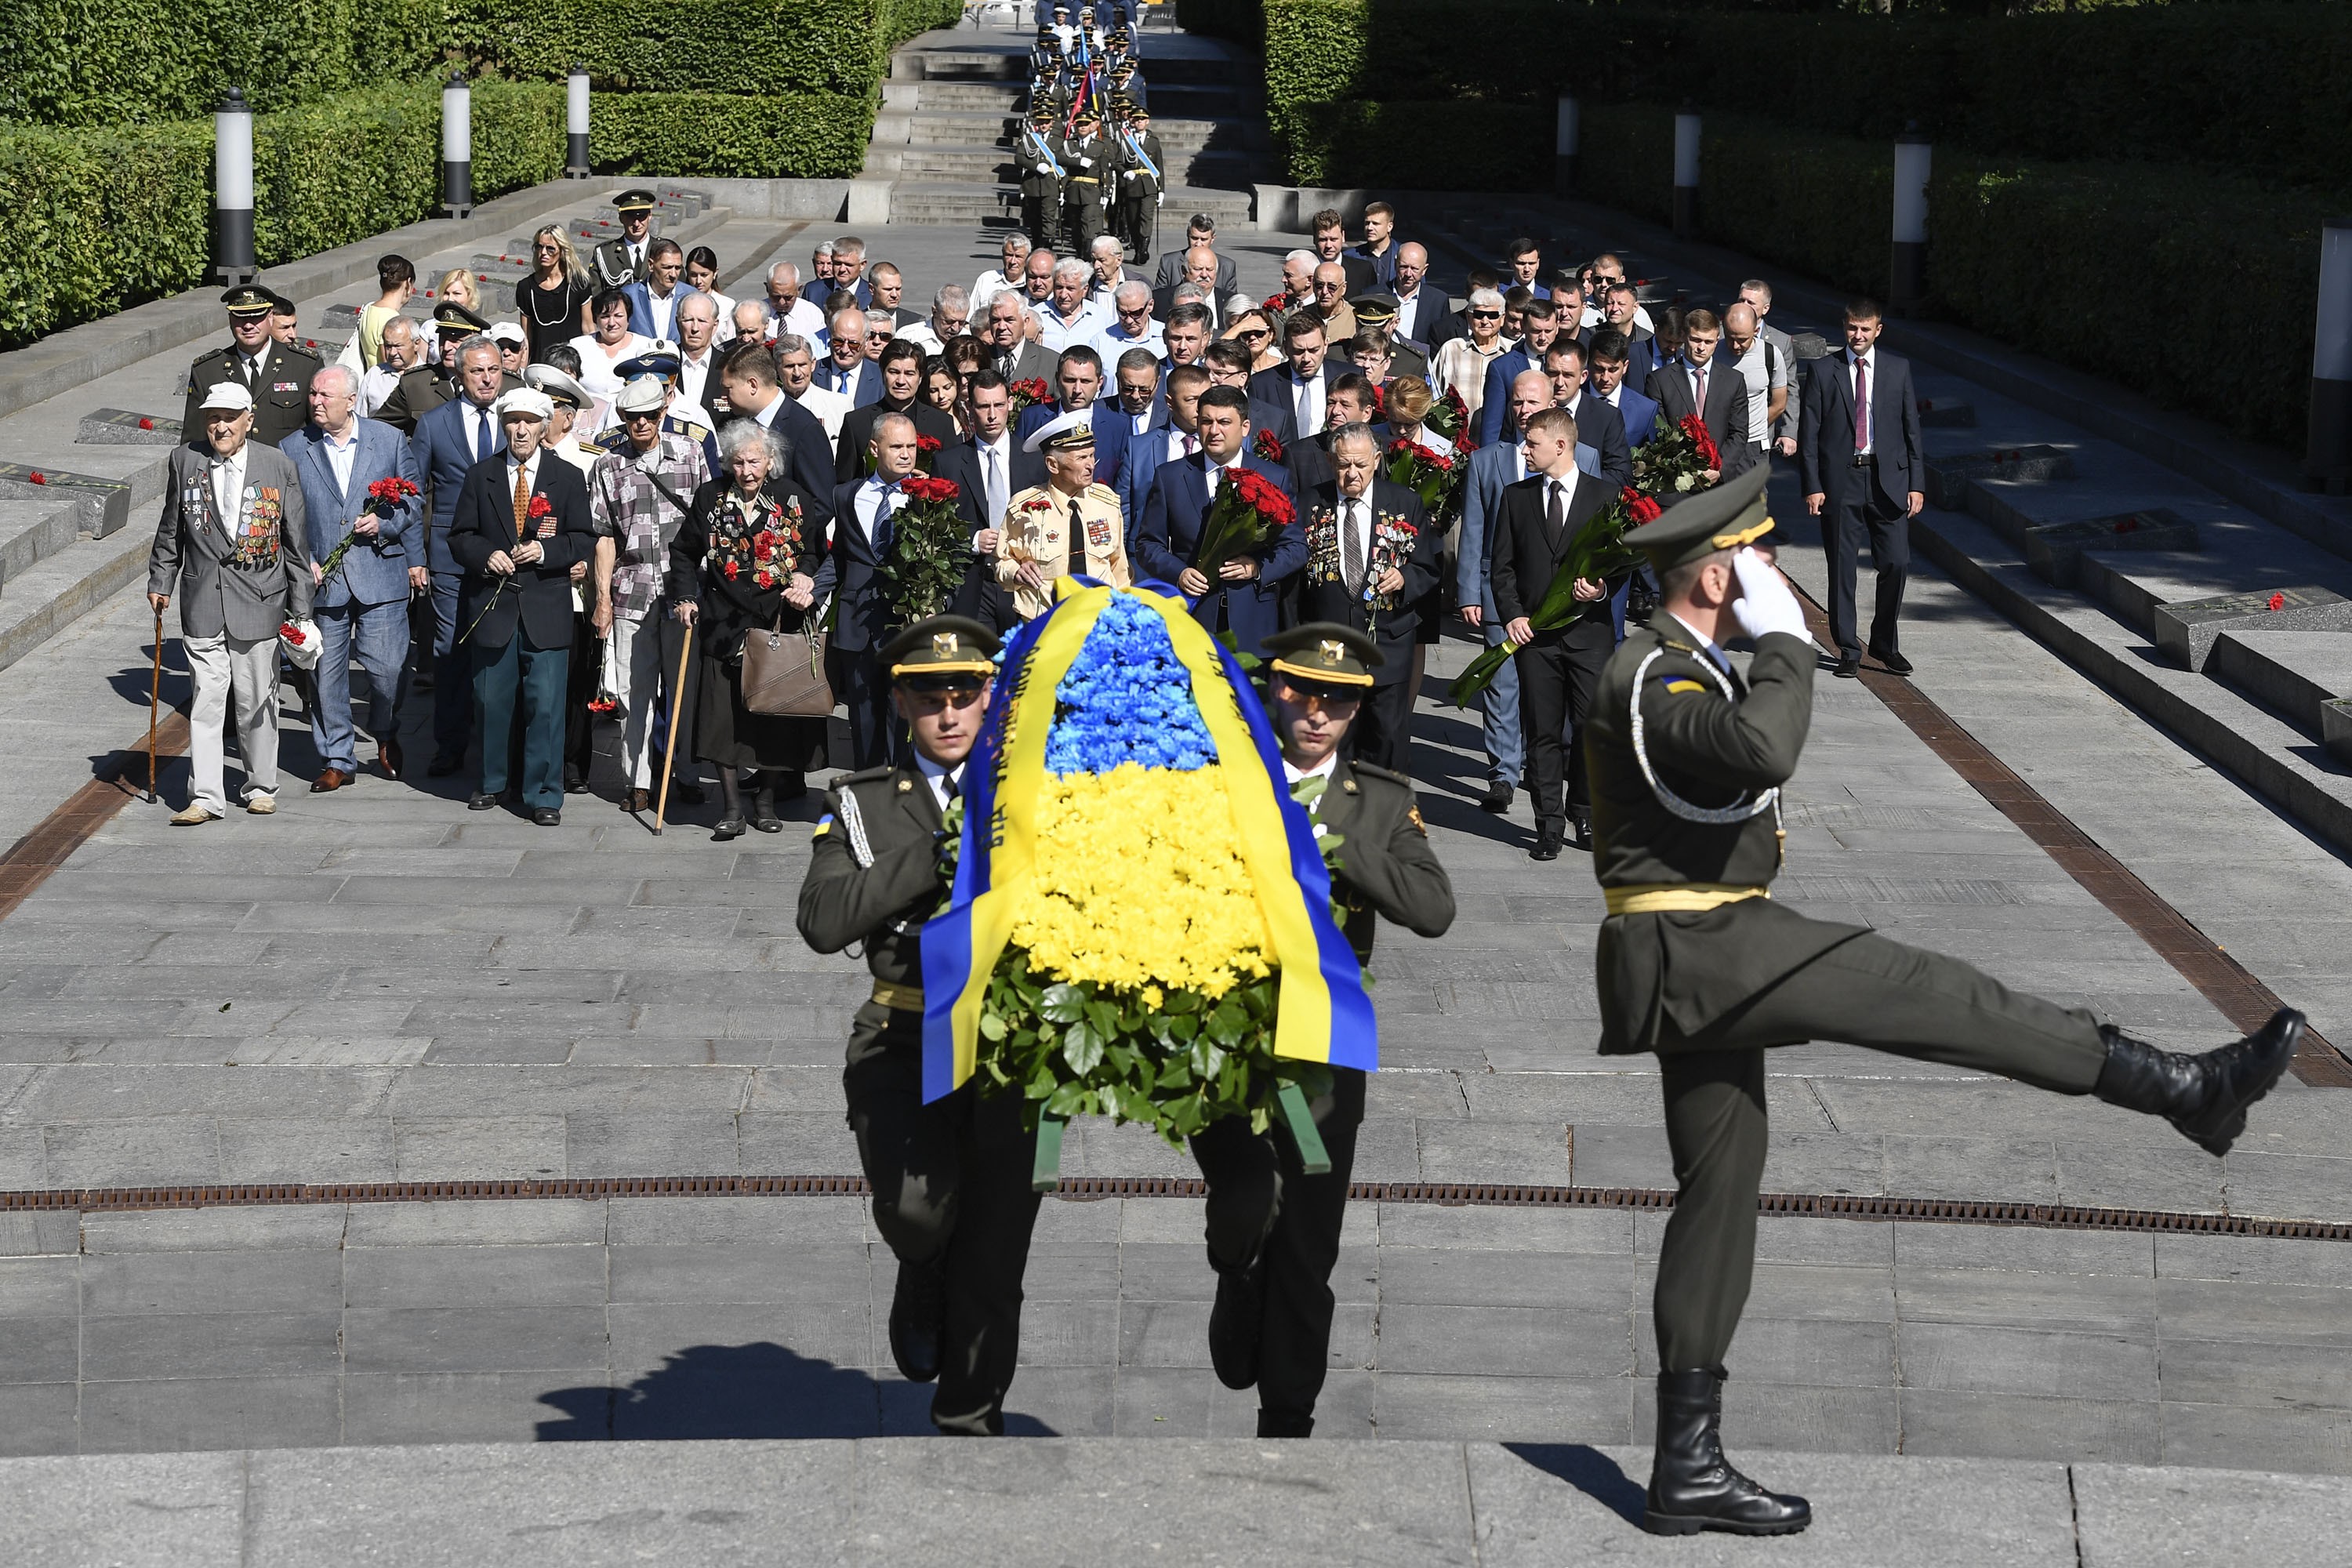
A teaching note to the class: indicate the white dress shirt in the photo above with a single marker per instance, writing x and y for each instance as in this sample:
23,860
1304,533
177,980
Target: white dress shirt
878,497
1181,444
828,408
663,308
995,462
481,428
1306,401
375,388
530,475
694,381
804,320
228,491
1356,527
1080,331
342,454
1869,361
938,775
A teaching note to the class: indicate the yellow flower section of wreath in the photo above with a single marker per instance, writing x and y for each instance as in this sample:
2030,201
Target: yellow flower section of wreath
1139,882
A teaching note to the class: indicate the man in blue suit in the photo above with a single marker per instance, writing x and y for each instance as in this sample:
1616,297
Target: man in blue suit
1605,372
1246,597
363,607
1174,441
845,368
654,299
1078,380
1541,326
450,440
863,510
1864,474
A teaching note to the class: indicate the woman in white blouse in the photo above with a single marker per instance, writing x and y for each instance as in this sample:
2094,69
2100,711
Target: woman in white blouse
609,345
1461,363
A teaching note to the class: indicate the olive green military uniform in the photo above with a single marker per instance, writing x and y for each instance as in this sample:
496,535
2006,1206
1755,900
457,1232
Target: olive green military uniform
281,391
950,1178
1699,965
1136,220
1041,189
1091,162
1263,1208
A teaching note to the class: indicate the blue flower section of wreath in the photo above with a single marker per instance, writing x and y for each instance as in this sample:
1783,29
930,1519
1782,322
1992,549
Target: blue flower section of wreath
1127,699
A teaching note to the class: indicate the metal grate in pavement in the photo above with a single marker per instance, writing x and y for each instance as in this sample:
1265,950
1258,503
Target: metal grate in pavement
1822,1206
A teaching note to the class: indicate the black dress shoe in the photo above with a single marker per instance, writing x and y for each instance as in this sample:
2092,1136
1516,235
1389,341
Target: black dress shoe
1579,828
1498,798
573,783
1236,1324
919,1311
1849,666
480,800
2204,1096
443,764
1894,662
547,816
1692,1486
728,827
1549,841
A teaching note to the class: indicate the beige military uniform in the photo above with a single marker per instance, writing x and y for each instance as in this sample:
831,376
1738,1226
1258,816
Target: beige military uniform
1038,527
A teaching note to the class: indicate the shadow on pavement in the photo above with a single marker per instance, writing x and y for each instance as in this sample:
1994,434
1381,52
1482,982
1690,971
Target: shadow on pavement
1590,1471
760,1390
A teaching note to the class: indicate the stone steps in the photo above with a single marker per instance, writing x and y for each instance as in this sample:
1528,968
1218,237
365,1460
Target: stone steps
995,165
919,202
64,584
958,128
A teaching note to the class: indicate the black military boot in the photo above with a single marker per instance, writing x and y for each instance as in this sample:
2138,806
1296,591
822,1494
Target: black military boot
918,1309
1692,1486
1234,1324
2204,1096
1283,1424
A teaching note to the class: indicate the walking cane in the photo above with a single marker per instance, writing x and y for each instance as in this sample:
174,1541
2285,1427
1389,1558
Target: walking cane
155,703
677,702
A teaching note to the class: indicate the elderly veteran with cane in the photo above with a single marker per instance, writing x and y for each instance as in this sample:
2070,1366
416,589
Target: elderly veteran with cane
951,1178
1069,525
234,542
1698,964
522,524
745,560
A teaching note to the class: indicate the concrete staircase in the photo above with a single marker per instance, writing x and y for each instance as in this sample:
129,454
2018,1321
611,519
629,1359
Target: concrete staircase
943,140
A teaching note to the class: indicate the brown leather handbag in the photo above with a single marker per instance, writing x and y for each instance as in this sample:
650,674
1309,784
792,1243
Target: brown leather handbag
783,672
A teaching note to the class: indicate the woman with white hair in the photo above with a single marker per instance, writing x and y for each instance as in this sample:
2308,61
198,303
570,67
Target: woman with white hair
1461,364
746,558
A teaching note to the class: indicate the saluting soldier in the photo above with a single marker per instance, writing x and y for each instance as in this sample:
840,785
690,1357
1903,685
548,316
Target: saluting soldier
276,377
951,1192
1069,525
1043,165
425,387
1698,964
1142,179
1091,162
623,260
1273,1229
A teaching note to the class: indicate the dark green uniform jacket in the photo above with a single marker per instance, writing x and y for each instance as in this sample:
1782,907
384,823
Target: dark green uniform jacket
875,875
281,401
1666,976
1386,866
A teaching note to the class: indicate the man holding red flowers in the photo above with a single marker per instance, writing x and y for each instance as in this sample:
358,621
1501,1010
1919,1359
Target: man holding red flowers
1235,585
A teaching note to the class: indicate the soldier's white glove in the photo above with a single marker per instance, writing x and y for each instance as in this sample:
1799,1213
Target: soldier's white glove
1765,603
1086,162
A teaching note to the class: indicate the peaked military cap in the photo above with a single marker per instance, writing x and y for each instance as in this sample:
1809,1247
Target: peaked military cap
941,645
562,390
1725,517
1378,309
629,201
1063,433
249,300
1325,653
659,363
449,316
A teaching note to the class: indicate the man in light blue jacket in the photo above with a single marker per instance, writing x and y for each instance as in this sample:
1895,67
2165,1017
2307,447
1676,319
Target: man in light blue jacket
362,605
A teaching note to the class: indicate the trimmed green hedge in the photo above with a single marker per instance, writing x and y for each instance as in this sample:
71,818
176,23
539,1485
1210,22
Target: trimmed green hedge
740,46
1417,146
807,135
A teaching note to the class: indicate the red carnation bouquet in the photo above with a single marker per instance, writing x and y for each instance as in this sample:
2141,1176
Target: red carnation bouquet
1449,416
1677,460
384,495
1027,393
1599,550
930,544
1250,510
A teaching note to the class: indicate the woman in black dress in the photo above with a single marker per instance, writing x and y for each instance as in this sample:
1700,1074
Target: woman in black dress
553,299
746,556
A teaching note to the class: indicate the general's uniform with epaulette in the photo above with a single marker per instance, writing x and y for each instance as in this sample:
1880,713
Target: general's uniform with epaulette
280,382
950,1179
1273,1229
1074,536
1091,163
1043,165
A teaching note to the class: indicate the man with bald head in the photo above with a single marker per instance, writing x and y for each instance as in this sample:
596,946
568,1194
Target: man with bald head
752,324
1330,306
1425,315
1764,369
787,308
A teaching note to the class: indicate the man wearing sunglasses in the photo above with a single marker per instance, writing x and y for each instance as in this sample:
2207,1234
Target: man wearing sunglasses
847,368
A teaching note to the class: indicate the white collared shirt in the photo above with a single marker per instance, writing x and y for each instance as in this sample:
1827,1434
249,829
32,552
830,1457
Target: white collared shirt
1306,401
663,308
1360,509
994,460
1181,444
1323,770
694,377
228,490
530,472
1706,645
342,454
937,775
878,497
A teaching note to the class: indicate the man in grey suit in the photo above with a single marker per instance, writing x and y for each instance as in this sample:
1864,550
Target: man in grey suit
1200,234
363,608
1863,472
233,542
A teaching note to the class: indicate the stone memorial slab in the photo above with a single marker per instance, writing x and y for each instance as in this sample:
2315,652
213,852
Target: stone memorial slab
2293,674
1947,413
2336,728
105,504
121,428
2185,629
1948,477
2053,550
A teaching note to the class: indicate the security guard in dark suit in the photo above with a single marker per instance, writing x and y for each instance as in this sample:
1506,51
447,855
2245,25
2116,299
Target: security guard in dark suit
951,1192
1273,1229
1698,964
426,387
277,377
622,260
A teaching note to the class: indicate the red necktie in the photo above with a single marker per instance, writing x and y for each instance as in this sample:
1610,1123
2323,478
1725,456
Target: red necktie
1860,404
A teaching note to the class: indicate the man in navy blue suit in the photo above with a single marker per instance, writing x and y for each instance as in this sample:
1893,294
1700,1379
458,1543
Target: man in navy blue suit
845,368
363,609
1598,424
1863,471
1246,597
1540,326
450,440
1078,381
1606,364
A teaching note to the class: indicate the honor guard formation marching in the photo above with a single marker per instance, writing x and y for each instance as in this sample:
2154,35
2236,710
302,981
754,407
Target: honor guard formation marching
631,505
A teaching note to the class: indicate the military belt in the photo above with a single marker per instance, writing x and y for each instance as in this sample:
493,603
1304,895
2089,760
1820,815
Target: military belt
898,998
1084,180
1676,897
